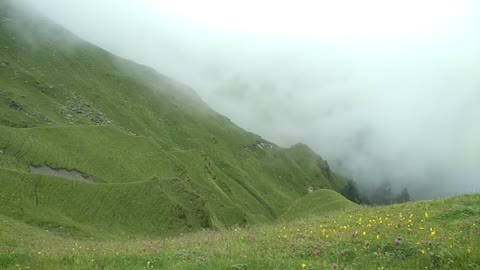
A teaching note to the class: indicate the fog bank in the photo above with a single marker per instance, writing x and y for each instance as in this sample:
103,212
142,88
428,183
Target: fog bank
384,90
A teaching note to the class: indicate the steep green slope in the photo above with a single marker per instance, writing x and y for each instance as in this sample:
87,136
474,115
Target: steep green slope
161,159
80,210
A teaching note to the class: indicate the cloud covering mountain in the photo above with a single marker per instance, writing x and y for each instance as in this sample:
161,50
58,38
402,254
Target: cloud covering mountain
385,91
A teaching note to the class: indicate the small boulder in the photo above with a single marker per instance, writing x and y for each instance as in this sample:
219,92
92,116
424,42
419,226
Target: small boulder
16,106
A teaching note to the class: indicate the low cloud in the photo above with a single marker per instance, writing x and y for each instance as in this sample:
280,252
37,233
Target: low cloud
379,105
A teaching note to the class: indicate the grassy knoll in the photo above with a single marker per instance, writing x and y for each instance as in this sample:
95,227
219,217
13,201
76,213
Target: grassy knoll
318,202
439,234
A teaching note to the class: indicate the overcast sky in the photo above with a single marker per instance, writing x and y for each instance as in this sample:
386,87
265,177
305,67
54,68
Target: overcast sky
384,90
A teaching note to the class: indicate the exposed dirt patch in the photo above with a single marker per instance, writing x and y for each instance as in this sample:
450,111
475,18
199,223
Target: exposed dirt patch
70,175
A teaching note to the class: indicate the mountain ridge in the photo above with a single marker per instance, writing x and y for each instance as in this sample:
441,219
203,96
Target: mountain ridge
68,104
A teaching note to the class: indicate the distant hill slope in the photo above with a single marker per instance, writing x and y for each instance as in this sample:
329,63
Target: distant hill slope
317,203
162,161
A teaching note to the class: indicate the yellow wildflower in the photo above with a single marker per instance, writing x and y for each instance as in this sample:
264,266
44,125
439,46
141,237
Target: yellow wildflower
304,266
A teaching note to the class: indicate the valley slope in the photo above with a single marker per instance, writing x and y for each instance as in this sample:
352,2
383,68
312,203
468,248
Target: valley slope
161,160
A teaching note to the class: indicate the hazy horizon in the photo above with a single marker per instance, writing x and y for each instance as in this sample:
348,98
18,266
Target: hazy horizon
384,90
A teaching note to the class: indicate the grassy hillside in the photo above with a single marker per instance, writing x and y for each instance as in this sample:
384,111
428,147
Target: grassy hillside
173,184
440,234
316,203
161,160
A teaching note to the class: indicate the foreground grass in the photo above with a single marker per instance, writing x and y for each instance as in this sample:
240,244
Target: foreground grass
440,234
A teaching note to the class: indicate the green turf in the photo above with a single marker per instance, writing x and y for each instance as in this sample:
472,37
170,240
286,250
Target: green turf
440,234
